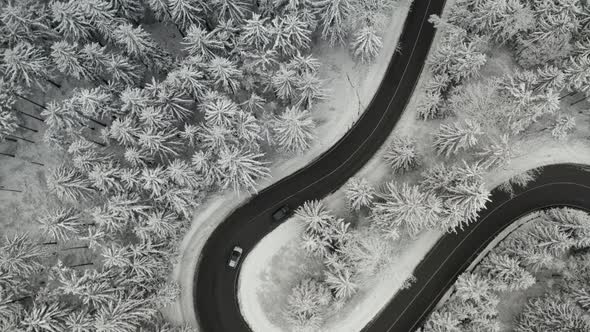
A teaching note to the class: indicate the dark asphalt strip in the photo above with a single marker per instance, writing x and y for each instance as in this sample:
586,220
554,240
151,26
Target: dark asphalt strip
557,185
215,290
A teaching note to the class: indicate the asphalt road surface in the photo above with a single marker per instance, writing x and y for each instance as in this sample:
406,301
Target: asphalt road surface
215,290
557,185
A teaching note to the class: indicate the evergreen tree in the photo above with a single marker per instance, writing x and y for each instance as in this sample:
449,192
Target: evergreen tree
505,273
128,9
139,44
70,19
471,286
162,143
294,130
366,44
248,129
68,183
20,255
122,315
25,63
122,70
551,313
563,126
550,77
430,107
291,35
284,83
8,124
124,131
309,88
45,317
333,17
401,154
68,60
187,80
497,153
342,284
307,303
61,223
359,193
235,10
225,74
406,206
456,136
256,32
215,138
188,12
220,112
79,321
241,168
315,216
199,42
160,9
24,21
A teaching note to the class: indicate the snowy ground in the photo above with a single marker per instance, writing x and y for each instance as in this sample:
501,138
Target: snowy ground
351,86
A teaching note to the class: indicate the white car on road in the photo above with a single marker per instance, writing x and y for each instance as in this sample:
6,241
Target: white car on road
235,256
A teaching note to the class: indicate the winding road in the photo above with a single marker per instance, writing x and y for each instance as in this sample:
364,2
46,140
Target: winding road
215,284
215,289
556,185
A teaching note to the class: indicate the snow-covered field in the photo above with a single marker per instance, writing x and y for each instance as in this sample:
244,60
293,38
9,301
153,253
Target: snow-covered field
351,87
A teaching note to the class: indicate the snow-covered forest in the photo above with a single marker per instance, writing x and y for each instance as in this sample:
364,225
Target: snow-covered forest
144,130
483,111
540,272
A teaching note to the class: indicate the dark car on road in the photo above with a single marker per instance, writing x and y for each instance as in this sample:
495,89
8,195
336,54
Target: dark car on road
281,214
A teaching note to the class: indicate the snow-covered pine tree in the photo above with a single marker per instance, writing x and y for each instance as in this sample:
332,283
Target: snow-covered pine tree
359,193
256,32
307,304
61,117
25,63
131,10
235,10
430,106
8,124
333,19
315,216
284,82
199,42
309,90
291,35
454,137
159,142
342,283
138,43
68,60
241,168
552,313
187,80
366,44
406,207
293,129
563,126
498,153
24,21
188,12
70,19
61,223
505,273
220,111
122,70
401,154
225,74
